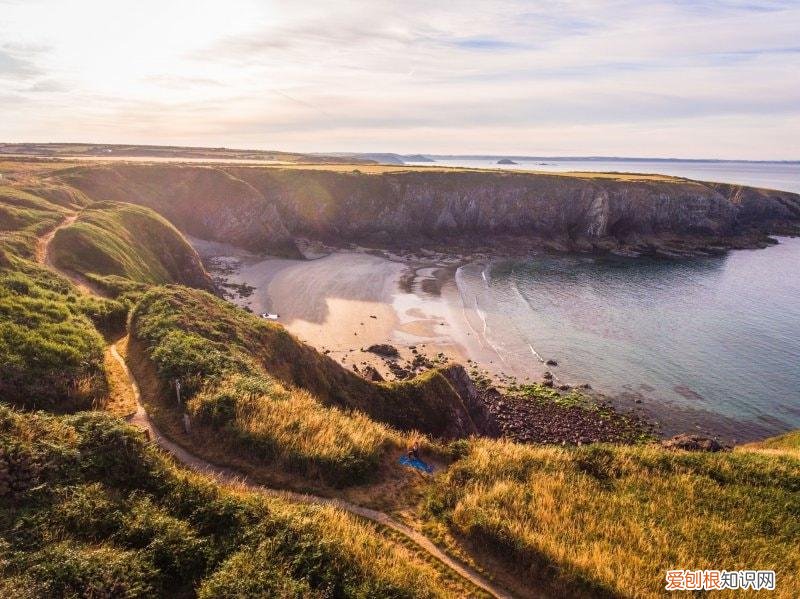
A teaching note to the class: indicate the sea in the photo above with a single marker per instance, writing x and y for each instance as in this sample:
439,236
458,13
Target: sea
711,344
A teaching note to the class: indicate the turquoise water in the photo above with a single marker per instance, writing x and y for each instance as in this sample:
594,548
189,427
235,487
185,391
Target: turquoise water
711,343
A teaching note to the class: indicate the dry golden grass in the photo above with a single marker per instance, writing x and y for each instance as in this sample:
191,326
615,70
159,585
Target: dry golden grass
362,543
787,444
611,521
290,427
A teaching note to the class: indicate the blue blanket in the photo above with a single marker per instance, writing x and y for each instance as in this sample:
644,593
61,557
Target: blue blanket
415,463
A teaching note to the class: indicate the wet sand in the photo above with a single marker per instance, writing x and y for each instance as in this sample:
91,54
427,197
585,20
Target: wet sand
348,300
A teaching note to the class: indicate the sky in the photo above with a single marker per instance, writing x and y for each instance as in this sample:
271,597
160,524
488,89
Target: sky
704,79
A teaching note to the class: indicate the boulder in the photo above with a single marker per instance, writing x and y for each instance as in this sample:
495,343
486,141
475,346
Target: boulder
691,442
371,374
384,349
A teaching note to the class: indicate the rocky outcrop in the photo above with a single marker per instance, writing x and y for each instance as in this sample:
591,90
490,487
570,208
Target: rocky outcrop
484,421
383,349
689,442
263,209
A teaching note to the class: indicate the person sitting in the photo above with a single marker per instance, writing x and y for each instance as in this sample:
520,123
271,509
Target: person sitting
413,452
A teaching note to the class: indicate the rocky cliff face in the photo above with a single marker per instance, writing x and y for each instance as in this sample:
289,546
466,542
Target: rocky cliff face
264,208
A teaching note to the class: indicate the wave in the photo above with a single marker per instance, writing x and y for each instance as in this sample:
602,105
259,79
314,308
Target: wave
482,336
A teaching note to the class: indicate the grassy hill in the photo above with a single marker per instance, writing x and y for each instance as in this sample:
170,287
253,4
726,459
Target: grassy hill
609,521
88,508
122,240
276,399
51,344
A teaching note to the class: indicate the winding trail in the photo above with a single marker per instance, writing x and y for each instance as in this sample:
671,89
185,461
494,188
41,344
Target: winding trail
45,258
142,420
43,245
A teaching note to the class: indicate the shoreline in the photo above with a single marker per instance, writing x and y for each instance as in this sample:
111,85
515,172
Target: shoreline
343,301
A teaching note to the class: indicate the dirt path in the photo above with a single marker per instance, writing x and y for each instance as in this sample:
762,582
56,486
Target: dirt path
45,258
228,476
43,245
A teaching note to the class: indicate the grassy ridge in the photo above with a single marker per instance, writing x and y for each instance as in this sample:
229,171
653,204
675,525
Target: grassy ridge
235,398
788,443
130,242
274,400
610,520
23,218
88,508
196,336
51,349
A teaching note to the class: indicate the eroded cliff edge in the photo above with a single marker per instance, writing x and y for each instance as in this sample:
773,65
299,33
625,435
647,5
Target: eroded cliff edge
266,208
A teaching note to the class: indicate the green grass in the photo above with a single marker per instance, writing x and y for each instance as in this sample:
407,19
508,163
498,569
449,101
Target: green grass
198,337
23,217
50,347
129,242
270,398
608,520
89,509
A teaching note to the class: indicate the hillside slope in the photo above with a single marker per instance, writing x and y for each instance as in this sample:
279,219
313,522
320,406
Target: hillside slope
249,384
51,344
263,208
132,242
89,508
609,521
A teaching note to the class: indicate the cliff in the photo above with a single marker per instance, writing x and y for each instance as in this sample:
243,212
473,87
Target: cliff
264,208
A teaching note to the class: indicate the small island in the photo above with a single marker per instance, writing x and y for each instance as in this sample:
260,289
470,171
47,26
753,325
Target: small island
506,161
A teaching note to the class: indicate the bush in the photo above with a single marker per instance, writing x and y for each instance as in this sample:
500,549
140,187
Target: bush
70,570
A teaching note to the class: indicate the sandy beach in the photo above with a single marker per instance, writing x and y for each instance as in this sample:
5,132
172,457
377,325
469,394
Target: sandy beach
348,300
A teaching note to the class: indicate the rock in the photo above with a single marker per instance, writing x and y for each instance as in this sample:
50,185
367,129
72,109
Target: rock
479,416
547,375
383,349
691,442
371,374
551,362
563,387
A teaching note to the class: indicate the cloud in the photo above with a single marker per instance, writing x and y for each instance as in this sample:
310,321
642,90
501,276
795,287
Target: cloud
16,66
417,76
